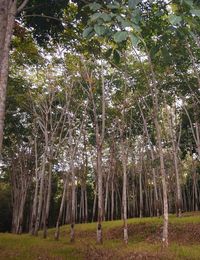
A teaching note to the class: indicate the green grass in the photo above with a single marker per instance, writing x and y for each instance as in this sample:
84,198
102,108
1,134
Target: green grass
144,240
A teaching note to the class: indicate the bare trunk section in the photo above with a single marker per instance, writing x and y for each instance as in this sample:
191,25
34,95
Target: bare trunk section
72,233
106,197
8,9
112,198
124,198
99,135
20,179
41,193
35,199
100,195
175,158
153,160
58,223
141,192
47,207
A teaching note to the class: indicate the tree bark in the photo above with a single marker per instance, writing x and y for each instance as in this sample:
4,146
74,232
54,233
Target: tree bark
57,232
8,9
154,95
47,207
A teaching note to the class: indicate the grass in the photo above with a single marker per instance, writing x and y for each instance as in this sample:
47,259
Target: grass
144,241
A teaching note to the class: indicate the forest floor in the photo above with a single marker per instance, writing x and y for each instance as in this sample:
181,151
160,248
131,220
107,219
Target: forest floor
144,241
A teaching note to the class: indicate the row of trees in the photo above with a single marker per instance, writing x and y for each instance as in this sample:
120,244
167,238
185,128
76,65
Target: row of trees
105,126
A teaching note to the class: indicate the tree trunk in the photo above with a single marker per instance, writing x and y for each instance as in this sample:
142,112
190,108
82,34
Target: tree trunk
57,232
72,233
94,203
100,194
106,198
86,205
141,193
112,197
46,216
41,195
124,199
175,158
154,95
153,160
35,199
8,9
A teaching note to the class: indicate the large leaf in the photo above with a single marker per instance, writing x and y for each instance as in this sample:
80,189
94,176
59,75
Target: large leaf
124,22
136,16
174,19
132,3
189,2
112,6
106,17
154,51
108,53
166,55
116,56
196,12
87,32
134,39
99,29
95,16
94,6
120,36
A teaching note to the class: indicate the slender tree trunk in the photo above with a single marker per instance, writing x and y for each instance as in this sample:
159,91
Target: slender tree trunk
124,199
82,208
100,194
112,198
46,217
73,210
41,195
8,9
94,204
86,205
141,193
197,127
153,160
106,198
35,199
154,94
57,232
175,158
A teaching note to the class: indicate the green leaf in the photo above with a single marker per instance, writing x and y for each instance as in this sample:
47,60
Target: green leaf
112,6
134,39
166,56
116,56
106,17
154,51
99,29
196,12
95,16
136,16
136,28
108,53
124,23
87,31
120,36
174,19
189,2
132,3
94,6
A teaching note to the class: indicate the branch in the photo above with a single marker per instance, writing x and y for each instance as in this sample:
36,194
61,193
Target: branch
43,16
21,7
